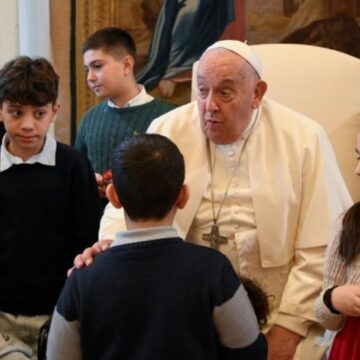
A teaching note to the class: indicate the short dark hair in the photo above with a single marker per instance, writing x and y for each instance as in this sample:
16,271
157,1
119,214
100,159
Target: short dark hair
148,173
111,40
258,299
349,244
29,81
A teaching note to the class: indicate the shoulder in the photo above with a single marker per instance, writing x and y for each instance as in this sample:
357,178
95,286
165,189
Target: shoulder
288,119
68,154
154,108
290,129
205,255
179,118
165,106
182,126
95,110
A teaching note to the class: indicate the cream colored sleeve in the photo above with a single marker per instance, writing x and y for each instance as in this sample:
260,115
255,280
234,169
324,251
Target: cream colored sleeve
296,311
111,222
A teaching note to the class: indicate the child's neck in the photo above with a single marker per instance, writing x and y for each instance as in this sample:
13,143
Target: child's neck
151,223
122,99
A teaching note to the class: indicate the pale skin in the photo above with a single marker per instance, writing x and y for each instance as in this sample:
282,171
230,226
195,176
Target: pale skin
27,126
111,76
229,90
346,298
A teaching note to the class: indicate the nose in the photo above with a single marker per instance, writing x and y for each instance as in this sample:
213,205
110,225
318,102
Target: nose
210,102
90,76
357,169
27,123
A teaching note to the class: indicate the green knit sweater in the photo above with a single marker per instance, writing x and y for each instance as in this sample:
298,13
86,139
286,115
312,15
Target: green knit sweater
103,128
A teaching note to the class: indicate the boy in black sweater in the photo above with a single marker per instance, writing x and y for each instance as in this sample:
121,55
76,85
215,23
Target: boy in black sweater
49,202
153,296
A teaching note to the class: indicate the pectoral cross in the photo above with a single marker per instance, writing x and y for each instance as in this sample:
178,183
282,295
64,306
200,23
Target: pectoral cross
214,238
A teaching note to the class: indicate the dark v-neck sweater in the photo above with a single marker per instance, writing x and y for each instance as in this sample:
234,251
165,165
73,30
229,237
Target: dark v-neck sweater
48,214
157,300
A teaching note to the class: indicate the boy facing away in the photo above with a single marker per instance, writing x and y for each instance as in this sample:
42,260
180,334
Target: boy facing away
109,60
153,296
49,202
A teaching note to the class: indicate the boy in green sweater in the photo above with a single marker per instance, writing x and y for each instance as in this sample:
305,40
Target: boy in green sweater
49,205
109,59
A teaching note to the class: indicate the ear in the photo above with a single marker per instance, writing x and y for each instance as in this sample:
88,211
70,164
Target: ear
183,197
55,111
113,196
129,64
260,91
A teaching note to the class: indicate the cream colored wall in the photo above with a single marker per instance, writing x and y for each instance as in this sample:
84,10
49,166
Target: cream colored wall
8,30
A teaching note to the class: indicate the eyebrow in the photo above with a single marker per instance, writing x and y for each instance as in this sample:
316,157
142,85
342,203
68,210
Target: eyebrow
357,151
91,63
223,81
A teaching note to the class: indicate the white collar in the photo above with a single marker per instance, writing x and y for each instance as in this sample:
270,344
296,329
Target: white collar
146,234
141,98
46,156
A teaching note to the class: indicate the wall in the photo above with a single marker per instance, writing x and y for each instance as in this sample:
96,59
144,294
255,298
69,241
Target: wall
9,30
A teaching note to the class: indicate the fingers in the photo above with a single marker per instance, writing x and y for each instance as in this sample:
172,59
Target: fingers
99,179
87,257
104,244
89,254
70,271
100,185
80,260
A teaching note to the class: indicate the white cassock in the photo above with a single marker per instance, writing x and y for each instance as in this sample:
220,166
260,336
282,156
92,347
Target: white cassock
281,210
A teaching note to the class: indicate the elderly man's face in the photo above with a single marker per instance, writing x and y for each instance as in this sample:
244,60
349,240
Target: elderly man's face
228,92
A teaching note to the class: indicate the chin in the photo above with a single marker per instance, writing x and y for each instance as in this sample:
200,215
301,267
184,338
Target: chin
218,140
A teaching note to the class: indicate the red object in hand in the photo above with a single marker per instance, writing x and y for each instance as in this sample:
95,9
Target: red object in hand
107,176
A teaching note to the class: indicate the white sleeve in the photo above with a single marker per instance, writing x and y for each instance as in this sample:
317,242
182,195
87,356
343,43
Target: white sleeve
111,222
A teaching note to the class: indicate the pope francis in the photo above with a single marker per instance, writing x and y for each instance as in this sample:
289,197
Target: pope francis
265,190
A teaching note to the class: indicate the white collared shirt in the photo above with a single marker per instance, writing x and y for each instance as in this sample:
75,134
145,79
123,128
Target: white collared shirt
46,156
141,98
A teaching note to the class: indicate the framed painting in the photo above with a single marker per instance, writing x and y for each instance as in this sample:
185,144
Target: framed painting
171,34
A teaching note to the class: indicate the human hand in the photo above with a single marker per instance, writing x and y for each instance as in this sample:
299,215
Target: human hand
101,185
88,255
282,343
346,299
